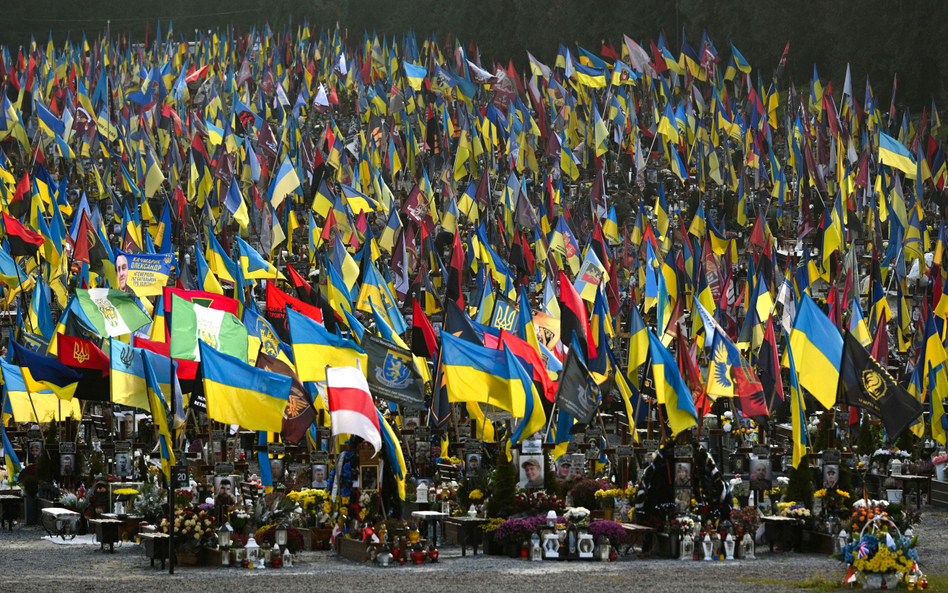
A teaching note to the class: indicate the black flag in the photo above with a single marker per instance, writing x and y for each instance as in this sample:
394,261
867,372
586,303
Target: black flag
578,395
865,383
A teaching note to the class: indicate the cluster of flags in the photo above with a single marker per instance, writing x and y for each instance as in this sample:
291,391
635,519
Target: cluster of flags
424,188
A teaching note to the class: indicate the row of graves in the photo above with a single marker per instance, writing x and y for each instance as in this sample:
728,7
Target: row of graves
723,491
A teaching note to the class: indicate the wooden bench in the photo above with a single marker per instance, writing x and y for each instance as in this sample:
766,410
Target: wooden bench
939,493
637,535
156,547
60,522
10,509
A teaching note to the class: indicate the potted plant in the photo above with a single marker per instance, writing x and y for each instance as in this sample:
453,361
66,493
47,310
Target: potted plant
892,490
512,533
611,530
494,547
940,462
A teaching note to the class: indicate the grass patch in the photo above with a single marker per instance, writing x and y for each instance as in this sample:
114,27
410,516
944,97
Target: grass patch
812,584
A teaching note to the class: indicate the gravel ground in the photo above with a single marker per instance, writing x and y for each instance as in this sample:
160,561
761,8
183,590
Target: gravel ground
31,564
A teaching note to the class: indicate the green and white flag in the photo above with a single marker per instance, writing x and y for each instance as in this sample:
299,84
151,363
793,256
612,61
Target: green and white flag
112,312
220,330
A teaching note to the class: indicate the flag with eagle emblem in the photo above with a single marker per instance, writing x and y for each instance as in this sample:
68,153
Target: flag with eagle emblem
730,375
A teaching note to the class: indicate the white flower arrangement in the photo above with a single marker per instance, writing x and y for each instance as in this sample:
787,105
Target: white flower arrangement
576,514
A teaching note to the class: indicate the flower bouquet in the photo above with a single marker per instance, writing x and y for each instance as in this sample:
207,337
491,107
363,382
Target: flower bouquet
745,520
310,505
680,526
834,500
880,554
793,510
539,500
192,530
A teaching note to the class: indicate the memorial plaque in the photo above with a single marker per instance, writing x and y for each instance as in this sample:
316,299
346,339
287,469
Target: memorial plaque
123,447
67,447
179,477
223,469
276,449
683,451
624,451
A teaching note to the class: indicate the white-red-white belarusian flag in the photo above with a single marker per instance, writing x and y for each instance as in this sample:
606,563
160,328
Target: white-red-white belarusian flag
351,408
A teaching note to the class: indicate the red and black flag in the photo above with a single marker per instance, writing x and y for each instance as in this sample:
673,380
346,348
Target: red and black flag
23,241
768,363
275,313
304,291
85,358
454,289
573,317
423,340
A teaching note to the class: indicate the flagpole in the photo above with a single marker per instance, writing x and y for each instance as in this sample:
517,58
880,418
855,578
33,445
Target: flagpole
549,424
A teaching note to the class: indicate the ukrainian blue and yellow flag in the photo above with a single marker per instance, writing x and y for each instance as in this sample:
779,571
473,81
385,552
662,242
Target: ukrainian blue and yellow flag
314,348
638,340
475,373
253,264
26,405
285,182
127,376
590,76
41,373
338,293
894,154
525,399
376,292
11,461
159,412
237,393
798,409
819,348
635,406
857,324
207,281
218,260
415,74
393,451
670,388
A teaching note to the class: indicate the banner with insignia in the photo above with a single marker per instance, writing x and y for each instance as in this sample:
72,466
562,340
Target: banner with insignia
144,274
112,312
391,374
299,413
578,395
506,314
866,384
